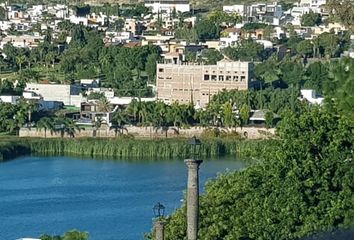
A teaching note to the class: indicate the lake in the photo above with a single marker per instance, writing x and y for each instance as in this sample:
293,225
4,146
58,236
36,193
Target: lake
110,199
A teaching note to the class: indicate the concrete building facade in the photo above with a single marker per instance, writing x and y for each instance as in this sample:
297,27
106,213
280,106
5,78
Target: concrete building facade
67,94
198,83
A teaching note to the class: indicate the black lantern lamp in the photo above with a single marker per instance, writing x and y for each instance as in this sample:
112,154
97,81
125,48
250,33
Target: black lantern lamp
195,146
159,210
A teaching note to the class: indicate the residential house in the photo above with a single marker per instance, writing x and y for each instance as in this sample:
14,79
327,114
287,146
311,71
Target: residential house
312,3
9,99
22,41
119,37
239,9
78,20
133,25
168,6
311,96
230,37
264,12
67,94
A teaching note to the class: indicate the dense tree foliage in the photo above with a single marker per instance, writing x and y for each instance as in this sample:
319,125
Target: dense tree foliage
86,56
340,87
302,187
310,19
343,11
246,50
207,30
71,235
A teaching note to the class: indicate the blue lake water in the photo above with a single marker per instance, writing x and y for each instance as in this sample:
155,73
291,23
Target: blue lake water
112,200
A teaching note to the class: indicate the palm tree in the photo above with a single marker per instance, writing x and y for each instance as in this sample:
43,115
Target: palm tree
104,60
97,125
29,107
20,60
50,58
70,127
46,124
66,125
104,105
134,108
174,114
17,121
119,119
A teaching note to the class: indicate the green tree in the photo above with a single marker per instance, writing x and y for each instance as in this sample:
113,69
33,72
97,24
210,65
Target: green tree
316,76
75,235
305,48
186,33
340,86
20,60
207,30
211,56
46,123
247,50
311,19
104,105
245,112
151,65
269,119
329,42
302,186
119,119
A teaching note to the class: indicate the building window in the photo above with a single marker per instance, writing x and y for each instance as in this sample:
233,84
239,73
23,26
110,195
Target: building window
221,78
235,78
228,78
243,78
161,70
206,77
213,77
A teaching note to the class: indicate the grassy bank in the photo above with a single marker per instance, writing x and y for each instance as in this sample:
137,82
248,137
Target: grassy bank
131,148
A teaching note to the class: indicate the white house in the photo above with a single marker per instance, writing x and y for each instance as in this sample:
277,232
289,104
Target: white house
78,20
168,5
5,25
9,99
266,44
311,96
68,94
312,3
22,41
240,9
233,36
35,11
119,37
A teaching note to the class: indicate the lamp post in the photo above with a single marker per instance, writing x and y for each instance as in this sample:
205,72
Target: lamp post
159,211
193,189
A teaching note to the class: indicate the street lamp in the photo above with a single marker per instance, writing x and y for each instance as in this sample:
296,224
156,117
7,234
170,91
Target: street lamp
159,212
194,146
193,189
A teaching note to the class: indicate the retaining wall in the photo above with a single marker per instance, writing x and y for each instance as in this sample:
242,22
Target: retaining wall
150,132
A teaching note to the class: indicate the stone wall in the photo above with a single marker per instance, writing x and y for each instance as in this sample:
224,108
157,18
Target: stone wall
151,132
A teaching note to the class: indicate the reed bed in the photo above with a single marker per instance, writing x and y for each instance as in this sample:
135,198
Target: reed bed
133,148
